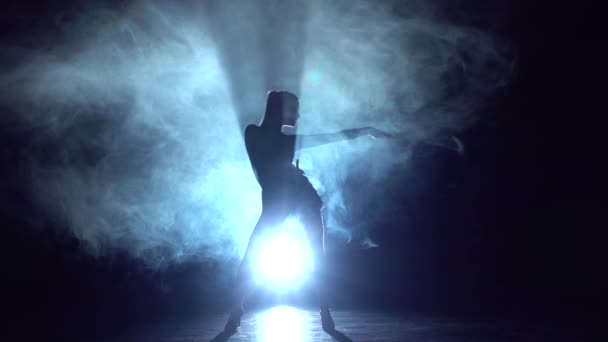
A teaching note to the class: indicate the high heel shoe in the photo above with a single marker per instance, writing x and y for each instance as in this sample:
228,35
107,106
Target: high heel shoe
327,322
234,321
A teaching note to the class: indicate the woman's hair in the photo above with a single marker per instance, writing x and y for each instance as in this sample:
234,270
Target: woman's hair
276,103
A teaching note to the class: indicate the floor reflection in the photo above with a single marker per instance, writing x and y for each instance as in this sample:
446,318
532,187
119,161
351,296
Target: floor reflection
283,323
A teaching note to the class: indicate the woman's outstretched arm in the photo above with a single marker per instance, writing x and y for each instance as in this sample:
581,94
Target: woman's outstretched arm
312,140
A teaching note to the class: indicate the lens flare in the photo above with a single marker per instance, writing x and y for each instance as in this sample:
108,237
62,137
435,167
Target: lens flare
283,260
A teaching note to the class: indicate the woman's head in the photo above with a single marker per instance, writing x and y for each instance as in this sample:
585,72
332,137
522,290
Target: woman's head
282,108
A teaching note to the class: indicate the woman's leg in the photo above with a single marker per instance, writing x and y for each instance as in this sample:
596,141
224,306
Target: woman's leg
312,220
313,223
244,281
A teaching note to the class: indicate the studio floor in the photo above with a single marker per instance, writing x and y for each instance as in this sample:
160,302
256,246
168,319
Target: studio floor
287,323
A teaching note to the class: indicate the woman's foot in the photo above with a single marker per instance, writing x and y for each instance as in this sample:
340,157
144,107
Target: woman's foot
234,320
327,322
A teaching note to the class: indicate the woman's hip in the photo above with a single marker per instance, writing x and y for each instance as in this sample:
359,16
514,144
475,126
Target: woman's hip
292,195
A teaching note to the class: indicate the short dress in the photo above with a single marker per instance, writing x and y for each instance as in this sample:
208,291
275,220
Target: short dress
291,193
285,188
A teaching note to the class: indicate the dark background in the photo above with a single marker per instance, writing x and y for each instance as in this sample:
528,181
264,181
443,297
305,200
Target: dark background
511,230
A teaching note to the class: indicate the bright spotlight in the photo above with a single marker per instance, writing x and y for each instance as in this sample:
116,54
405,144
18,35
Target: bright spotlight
282,259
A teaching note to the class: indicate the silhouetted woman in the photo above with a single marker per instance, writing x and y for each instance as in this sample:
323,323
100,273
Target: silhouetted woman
285,190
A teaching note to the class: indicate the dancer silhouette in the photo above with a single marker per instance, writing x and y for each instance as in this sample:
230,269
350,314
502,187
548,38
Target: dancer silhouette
286,191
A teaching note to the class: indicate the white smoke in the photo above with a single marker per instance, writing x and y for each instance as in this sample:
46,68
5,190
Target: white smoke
139,110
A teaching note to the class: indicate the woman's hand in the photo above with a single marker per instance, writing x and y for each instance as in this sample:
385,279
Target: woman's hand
376,133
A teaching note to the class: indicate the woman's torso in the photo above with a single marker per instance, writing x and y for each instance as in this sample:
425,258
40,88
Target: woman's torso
271,155
285,188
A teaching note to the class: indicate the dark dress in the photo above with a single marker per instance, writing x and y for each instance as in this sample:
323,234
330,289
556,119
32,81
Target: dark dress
285,188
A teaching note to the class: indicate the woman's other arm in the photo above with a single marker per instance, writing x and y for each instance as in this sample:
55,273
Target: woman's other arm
313,140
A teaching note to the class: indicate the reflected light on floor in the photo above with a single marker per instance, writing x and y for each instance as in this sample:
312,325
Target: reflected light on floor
283,323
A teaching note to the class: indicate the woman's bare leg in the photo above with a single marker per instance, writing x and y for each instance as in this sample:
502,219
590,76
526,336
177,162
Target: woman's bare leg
313,221
243,287
245,284
244,280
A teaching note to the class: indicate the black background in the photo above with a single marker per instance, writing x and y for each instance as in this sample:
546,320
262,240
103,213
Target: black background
510,230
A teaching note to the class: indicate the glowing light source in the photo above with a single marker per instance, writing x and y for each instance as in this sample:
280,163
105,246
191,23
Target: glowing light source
282,258
314,77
